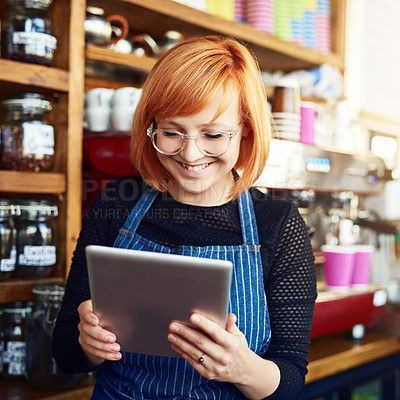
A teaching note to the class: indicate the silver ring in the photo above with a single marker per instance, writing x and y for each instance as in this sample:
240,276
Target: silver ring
201,359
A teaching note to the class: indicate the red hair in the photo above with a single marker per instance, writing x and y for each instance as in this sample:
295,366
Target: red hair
182,83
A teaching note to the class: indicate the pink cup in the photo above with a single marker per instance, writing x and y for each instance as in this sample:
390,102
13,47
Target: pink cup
307,123
338,266
362,266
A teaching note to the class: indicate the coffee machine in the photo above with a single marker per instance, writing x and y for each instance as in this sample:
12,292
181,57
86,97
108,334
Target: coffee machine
330,188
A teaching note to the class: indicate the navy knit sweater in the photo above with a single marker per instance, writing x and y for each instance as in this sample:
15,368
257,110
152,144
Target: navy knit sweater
288,263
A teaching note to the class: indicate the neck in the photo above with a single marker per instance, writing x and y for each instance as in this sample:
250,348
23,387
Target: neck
213,197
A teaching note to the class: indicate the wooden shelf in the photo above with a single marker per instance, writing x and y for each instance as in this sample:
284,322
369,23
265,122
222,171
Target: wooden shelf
330,355
380,123
272,52
104,55
32,182
20,290
34,75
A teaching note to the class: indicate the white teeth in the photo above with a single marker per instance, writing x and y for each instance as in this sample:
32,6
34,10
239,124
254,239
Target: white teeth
195,167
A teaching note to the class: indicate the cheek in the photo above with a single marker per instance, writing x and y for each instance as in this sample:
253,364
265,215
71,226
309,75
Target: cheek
235,149
162,159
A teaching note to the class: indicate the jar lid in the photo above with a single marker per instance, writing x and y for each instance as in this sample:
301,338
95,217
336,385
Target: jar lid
37,208
6,209
28,101
19,307
95,10
35,4
48,288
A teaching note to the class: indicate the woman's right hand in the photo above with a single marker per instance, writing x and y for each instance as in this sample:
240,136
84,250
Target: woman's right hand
97,343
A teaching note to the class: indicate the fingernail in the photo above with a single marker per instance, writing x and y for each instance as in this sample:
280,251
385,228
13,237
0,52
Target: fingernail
195,319
172,338
174,328
117,356
92,321
114,347
109,339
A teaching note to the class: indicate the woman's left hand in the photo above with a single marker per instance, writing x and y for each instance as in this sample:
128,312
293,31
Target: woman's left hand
216,353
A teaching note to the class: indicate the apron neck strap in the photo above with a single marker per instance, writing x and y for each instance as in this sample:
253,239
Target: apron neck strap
248,221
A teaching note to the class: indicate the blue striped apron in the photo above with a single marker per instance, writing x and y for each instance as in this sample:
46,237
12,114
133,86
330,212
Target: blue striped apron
139,376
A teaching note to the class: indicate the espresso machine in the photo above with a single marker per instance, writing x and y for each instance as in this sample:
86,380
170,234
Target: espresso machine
330,188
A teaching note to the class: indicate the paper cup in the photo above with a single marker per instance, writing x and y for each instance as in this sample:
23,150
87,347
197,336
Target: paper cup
338,266
362,266
307,125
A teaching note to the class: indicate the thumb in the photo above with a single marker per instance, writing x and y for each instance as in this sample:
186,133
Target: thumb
231,324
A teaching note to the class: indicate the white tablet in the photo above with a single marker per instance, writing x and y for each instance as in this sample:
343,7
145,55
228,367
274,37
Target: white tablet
136,294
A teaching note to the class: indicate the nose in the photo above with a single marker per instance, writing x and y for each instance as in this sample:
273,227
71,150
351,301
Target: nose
191,152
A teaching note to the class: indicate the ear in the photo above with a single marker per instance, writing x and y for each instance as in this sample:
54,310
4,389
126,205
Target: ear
245,131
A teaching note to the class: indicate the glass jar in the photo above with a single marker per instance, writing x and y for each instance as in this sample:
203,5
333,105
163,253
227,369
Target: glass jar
28,35
36,239
27,139
7,239
13,323
41,368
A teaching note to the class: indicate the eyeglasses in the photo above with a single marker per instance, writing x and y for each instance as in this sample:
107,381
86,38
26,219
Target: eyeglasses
171,142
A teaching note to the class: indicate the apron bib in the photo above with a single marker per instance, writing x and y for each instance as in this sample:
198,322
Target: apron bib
144,377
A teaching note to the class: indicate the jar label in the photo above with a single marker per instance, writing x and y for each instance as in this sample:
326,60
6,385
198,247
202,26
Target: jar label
8,264
14,356
38,139
35,39
38,256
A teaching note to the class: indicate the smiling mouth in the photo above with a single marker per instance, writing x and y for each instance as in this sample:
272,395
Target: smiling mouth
195,167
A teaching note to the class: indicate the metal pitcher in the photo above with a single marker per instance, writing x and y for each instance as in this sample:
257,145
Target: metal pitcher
103,31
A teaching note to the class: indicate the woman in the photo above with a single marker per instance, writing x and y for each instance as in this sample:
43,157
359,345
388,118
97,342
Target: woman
200,140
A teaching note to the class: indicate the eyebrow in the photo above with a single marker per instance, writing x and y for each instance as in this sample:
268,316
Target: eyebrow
207,125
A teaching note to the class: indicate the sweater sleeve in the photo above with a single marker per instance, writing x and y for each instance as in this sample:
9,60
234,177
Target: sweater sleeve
100,226
291,292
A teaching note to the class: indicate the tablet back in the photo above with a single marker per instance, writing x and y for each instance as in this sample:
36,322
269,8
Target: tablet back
137,294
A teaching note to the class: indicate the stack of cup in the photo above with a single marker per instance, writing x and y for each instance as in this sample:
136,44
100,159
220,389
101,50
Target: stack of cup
98,109
297,21
240,10
286,110
310,8
347,266
307,122
222,8
283,20
124,104
323,26
260,14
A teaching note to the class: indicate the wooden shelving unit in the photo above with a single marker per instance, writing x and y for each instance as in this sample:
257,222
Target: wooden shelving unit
34,182
34,75
157,16
67,80
63,84
104,55
16,290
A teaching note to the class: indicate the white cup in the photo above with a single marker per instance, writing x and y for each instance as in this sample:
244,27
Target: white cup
99,97
126,97
98,118
121,118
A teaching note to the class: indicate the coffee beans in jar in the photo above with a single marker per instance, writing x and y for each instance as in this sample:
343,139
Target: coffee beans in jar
28,35
27,139
36,239
8,250
13,324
